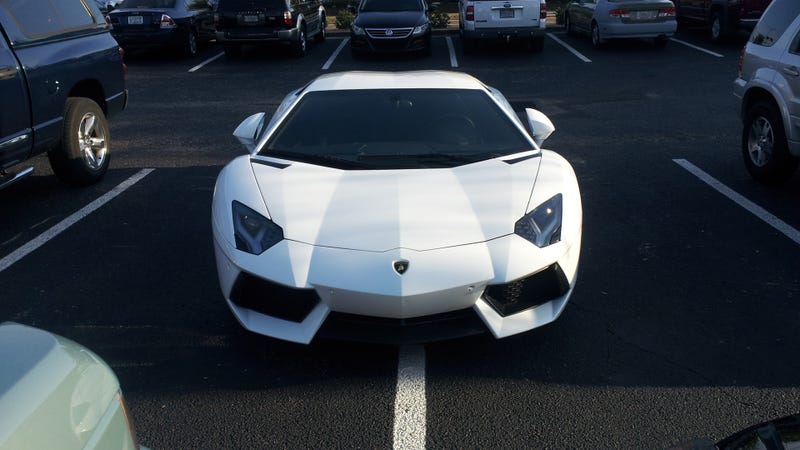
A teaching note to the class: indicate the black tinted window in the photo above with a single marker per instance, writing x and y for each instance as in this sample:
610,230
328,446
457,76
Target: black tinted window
391,5
249,5
148,4
39,18
773,23
396,128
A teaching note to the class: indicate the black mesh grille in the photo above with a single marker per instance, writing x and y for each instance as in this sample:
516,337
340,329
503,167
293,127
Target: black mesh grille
519,295
273,299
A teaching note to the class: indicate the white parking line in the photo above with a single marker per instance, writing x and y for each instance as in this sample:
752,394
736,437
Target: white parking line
697,48
754,209
202,64
336,52
452,51
56,229
568,47
409,403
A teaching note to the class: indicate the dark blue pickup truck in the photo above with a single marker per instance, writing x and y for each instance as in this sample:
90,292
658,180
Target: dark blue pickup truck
61,76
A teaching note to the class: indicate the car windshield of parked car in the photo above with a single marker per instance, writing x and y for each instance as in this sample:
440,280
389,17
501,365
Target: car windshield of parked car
395,129
148,4
390,5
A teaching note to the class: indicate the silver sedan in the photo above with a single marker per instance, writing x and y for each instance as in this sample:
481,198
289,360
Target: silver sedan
622,19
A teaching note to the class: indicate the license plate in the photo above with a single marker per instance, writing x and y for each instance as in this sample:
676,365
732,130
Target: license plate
135,20
644,15
250,19
506,13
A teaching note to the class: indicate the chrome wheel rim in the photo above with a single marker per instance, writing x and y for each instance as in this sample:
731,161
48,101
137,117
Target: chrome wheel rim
715,28
192,43
303,41
760,142
595,35
92,141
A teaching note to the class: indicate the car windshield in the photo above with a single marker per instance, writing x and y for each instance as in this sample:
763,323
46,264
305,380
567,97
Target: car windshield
395,129
148,4
390,5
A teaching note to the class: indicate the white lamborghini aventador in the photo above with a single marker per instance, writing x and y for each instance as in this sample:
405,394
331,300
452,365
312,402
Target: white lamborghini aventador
396,207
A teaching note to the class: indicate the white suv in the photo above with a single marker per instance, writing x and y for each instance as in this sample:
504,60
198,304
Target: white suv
502,20
768,89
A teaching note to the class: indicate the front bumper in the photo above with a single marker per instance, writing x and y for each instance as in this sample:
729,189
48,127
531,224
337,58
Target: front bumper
365,44
290,291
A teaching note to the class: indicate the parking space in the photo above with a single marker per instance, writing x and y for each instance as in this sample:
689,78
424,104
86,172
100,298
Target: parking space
683,296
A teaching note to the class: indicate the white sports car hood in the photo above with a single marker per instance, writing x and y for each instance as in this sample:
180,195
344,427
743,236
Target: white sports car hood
381,210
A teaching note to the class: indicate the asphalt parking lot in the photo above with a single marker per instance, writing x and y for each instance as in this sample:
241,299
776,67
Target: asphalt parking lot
684,322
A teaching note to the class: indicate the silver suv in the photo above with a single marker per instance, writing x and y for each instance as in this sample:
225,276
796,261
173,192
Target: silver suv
768,90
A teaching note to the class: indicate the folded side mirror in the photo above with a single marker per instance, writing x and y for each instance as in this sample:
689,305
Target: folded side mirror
249,130
540,125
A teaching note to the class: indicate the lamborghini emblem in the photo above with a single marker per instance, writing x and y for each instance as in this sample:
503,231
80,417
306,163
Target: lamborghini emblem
400,266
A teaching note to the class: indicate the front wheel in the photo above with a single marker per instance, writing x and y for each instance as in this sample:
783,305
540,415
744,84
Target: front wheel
597,40
83,156
568,24
320,37
661,41
764,146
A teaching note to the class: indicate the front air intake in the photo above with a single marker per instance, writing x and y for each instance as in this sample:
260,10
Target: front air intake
273,299
525,293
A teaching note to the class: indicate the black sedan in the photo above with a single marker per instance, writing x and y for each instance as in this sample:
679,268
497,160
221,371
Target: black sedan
178,24
391,26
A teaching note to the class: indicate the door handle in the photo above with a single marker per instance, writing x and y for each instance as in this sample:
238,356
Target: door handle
791,71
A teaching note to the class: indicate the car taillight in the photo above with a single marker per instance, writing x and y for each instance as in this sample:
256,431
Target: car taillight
543,10
620,13
287,18
167,22
122,58
741,61
470,14
666,12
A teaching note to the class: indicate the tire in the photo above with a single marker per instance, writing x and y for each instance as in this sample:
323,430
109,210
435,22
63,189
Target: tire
301,46
321,35
568,25
597,40
232,51
190,46
661,42
764,147
84,153
719,31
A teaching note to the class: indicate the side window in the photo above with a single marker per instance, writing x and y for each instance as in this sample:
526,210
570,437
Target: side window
774,22
795,48
41,18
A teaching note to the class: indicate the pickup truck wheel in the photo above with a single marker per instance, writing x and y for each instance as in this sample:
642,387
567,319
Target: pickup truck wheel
568,24
83,156
764,147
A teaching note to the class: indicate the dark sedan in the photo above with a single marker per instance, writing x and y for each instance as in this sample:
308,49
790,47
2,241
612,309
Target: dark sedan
391,26
178,24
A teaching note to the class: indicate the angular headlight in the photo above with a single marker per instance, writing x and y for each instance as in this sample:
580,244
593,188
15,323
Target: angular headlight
421,29
253,232
542,226
358,31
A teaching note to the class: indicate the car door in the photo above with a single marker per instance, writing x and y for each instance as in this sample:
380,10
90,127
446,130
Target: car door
15,127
